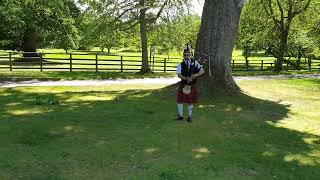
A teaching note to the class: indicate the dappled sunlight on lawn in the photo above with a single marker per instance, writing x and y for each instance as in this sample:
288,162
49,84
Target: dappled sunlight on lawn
129,132
300,96
139,95
151,150
306,124
13,104
201,152
78,98
201,106
268,153
29,111
311,158
232,108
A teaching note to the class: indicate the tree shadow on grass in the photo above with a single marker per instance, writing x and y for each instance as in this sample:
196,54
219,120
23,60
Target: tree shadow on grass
75,75
132,134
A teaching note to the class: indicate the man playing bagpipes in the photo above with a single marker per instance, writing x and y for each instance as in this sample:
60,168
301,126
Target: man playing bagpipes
188,71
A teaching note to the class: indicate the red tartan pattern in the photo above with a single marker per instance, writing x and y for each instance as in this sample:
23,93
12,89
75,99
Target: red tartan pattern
187,98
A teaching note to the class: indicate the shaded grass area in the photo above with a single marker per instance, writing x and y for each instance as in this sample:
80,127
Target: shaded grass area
81,75
270,131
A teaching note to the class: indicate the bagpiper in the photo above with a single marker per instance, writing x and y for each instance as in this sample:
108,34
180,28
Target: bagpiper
188,71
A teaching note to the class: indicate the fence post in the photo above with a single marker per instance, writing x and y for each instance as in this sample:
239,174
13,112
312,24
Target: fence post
153,63
232,64
40,62
96,62
70,62
247,65
121,61
164,64
261,68
288,65
309,64
10,59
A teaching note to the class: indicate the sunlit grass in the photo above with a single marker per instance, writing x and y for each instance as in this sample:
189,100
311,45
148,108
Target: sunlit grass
302,96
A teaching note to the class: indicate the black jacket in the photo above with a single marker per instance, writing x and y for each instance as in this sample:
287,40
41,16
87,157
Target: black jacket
189,72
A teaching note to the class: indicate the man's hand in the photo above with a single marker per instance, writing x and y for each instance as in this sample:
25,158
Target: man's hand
189,79
194,76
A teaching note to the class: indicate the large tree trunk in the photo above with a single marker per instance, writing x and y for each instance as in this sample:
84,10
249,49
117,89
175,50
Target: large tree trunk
217,35
144,40
29,46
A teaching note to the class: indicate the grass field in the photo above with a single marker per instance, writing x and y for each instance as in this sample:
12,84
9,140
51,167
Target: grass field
270,131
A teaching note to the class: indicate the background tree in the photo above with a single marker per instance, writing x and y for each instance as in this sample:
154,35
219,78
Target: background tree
66,38
258,32
100,31
253,35
11,25
142,12
24,20
108,36
282,14
172,35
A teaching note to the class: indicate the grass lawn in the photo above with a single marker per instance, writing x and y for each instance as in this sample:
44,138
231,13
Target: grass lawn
80,75
271,131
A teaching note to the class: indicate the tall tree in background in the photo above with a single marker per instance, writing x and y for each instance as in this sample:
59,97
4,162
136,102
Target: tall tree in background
258,32
146,13
220,19
99,31
282,14
139,12
254,31
23,21
172,35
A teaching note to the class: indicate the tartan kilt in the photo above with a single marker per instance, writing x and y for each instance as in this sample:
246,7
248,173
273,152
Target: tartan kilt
187,98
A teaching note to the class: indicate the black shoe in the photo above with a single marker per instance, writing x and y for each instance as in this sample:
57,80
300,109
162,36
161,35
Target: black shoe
189,119
179,118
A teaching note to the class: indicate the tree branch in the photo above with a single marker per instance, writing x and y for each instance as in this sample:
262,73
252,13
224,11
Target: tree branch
271,13
159,12
294,13
132,25
281,14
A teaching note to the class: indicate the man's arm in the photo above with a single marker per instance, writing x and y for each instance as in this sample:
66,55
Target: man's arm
182,77
198,74
185,78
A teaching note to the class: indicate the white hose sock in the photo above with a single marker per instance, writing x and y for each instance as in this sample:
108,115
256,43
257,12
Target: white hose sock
180,110
190,106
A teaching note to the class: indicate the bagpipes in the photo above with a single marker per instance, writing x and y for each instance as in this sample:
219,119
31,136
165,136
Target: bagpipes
187,88
199,56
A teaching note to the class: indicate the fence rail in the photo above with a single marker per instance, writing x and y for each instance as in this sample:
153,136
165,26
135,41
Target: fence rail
105,62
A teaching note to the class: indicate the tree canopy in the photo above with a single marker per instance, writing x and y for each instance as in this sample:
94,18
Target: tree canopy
25,22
